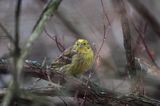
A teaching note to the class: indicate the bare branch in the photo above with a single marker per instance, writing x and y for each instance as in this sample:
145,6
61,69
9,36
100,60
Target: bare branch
47,12
19,58
13,86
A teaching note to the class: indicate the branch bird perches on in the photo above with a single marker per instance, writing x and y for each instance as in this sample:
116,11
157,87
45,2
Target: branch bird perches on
94,93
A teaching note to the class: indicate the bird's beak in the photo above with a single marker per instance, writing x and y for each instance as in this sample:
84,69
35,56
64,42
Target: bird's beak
81,45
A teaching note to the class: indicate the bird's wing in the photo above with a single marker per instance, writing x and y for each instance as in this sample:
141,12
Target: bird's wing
64,59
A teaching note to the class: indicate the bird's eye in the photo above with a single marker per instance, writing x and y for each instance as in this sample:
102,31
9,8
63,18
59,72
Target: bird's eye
84,43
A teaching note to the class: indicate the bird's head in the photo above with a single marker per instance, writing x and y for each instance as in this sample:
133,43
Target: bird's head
82,46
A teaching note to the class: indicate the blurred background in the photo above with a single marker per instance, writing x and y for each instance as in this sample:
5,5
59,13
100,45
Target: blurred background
86,19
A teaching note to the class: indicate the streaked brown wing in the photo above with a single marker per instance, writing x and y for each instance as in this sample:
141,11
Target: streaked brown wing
64,59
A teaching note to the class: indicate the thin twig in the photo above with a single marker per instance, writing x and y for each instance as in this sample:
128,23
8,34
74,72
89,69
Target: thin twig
8,35
105,13
98,52
145,45
61,98
139,39
60,46
104,29
146,14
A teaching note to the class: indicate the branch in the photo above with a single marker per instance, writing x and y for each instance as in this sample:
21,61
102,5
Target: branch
13,85
93,93
17,26
50,9
127,41
27,98
20,55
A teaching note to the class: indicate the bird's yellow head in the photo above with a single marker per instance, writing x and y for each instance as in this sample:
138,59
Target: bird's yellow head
82,46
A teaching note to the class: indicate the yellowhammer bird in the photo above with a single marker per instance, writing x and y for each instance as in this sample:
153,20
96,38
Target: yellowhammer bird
76,59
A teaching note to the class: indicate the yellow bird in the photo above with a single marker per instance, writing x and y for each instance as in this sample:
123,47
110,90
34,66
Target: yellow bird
76,59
